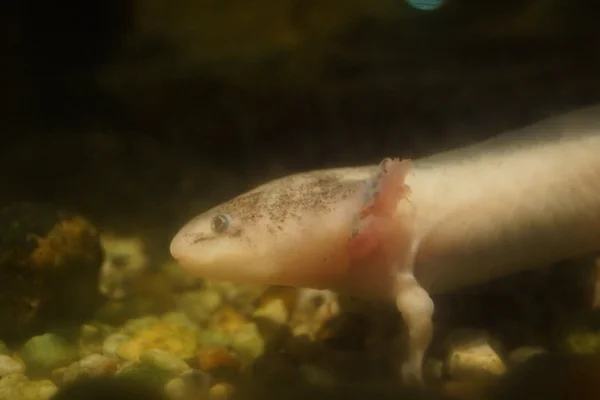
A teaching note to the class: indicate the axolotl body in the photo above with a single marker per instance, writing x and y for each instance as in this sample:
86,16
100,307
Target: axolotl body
402,230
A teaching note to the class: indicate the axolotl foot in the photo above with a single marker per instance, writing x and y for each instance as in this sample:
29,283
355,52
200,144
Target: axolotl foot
385,235
417,310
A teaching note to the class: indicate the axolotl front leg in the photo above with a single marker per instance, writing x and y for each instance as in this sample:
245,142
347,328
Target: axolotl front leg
384,233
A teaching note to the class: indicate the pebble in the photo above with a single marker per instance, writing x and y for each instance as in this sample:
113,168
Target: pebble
135,325
93,365
524,353
218,360
180,318
248,342
191,385
235,294
210,337
221,391
91,338
175,389
46,352
9,366
173,338
227,320
274,311
583,343
39,390
112,343
199,305
147,374
165,361
18,387
472,357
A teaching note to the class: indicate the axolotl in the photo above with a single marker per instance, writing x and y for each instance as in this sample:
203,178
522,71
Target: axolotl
404,229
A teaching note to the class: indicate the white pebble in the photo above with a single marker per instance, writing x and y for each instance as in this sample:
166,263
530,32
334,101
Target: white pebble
471,356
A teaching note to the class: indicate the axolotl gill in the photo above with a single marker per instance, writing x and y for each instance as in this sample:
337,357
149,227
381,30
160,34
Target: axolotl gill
404,229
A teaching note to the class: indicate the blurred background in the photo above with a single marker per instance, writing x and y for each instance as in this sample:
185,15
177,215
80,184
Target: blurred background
142,113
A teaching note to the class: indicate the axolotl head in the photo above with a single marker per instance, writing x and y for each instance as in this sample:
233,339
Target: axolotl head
290,231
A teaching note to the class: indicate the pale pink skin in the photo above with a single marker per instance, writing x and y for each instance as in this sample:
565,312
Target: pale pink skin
522,200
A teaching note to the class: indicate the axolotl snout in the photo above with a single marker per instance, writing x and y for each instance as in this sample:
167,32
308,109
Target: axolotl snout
402,229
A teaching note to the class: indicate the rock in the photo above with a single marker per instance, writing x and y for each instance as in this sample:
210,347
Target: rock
238,296
176,389
91,338
93,365
209,337
176,339
10,366
18,387
219,361
138,324
4,350
582,342
112,343
48,258
229,328
318,305
180,318
89,332
124,263
227,320
165,361
199,305
524,353
272,318
39,390
472,357
221,391
146,374
198,379
274,311
248,342
46,352
11,386
192,385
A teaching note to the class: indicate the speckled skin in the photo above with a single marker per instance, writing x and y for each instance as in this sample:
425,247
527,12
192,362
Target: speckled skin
521,200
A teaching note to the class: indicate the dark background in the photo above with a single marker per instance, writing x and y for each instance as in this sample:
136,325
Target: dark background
141,114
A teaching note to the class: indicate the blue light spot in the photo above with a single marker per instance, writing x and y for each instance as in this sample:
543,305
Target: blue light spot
426,5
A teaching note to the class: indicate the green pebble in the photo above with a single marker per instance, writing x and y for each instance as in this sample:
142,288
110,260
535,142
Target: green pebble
46,352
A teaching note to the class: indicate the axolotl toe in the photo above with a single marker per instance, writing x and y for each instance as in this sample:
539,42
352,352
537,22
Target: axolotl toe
403,229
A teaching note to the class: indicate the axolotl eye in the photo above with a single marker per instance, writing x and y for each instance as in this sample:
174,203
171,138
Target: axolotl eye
220,223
